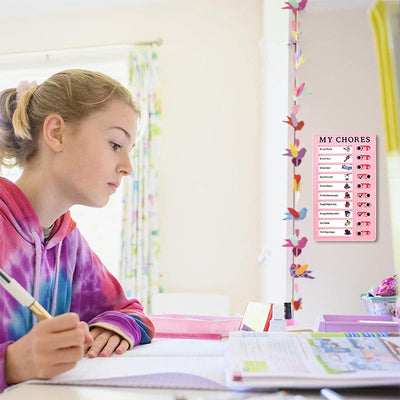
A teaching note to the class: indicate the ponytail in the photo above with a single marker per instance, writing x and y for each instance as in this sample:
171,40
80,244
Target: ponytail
20,119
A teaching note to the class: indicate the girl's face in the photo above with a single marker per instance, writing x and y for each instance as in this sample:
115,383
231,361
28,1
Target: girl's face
95,155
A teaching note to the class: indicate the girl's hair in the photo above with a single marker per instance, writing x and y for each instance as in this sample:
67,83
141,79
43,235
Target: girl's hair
73,94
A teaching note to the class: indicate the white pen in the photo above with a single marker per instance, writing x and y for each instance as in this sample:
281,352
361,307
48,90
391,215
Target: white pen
329,394
22,296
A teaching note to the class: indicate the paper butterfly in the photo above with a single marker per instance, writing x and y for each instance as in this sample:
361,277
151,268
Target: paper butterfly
295,6
298,59
299,91
296,182
296,244
292,121
297,304
294,215
296,33
296,154
296,108
300,271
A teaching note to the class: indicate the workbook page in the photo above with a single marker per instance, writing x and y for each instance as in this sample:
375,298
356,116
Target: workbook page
304,360
166,363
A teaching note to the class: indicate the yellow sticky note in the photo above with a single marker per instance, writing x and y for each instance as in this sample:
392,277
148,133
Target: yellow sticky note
255,366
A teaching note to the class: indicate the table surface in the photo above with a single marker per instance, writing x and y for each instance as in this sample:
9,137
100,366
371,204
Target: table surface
160,347
63,392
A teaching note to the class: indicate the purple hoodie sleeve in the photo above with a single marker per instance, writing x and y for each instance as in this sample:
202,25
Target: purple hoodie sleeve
120,323
99,299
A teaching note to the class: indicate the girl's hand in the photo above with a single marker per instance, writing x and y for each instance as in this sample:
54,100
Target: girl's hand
51,347
106,342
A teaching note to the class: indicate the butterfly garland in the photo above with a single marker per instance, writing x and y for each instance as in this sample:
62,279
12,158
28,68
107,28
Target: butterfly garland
296,152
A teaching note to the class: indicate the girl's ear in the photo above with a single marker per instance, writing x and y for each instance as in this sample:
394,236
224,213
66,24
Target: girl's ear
53,131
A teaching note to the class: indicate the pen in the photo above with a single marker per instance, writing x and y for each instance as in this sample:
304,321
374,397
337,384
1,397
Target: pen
22,296
329,394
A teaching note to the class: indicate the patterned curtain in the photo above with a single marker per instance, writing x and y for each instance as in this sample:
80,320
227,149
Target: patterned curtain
139,267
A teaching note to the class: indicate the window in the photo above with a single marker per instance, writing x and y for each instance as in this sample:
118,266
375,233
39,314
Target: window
100,227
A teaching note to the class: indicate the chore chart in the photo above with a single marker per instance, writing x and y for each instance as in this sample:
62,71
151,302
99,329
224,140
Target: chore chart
344,187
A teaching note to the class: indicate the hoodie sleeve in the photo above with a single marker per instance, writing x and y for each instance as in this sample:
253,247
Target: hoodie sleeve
99,300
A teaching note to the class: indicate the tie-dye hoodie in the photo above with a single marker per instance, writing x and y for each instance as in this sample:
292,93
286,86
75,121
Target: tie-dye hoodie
62,273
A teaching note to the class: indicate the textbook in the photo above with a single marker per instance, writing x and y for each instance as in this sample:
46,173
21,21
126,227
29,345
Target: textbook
312,360
163,363
246,361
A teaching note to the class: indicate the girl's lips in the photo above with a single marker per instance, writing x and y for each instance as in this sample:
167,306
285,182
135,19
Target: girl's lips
114,186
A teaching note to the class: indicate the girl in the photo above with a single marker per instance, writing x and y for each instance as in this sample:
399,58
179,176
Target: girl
72,136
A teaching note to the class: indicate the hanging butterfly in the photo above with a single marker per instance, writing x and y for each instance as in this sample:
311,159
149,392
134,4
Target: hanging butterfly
295,25
295,6
300,271
294,215
296,108
296,244
292,121
294,37
296,154
297,304
296,182
297,186
298,59
296,33
299,91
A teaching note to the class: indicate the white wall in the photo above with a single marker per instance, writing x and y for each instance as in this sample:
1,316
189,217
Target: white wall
341,72
209,167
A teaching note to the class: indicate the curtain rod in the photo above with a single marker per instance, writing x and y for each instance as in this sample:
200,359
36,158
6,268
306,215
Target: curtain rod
156,42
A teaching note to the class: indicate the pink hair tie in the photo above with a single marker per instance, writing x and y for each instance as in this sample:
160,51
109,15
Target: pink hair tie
24,86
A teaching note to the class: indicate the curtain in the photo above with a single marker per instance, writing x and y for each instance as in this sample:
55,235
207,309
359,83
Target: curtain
139,265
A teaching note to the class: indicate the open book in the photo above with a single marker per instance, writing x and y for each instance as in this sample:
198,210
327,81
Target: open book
312,360
164,363
248,360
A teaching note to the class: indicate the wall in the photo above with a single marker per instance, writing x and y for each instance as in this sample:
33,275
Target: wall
341,72
209,167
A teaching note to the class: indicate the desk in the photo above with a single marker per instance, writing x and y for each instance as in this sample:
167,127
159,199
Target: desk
208,361
62,392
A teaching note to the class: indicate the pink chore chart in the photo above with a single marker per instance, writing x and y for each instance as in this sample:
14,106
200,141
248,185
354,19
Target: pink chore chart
344,175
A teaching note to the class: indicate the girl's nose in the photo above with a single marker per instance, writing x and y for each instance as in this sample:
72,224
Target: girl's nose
126,166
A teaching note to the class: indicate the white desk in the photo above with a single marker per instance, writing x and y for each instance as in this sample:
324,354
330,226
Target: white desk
202,357
62,392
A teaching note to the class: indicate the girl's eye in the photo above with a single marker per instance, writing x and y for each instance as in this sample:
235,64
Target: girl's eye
115,146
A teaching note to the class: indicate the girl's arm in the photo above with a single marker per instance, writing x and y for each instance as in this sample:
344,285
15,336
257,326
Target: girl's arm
51,347
99,299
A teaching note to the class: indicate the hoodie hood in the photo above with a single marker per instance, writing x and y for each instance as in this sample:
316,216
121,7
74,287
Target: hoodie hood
17,209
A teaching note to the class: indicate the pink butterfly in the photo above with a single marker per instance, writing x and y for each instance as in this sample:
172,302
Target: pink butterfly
296,108
296,243
295,6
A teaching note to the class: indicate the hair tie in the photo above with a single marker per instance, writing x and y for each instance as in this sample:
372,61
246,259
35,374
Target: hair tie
24,86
